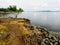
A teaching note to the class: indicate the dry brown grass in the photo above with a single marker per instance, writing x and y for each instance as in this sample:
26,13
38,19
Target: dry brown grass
17,33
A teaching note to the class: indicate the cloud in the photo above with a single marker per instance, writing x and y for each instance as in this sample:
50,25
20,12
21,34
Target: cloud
32,4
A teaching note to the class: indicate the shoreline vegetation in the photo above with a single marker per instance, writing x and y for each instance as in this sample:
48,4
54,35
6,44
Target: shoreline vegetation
10,9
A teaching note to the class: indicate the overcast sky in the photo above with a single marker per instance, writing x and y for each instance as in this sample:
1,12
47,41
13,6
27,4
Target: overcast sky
32,5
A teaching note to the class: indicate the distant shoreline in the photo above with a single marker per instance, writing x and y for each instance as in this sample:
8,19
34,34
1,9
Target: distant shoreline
42,11
1,12
48,11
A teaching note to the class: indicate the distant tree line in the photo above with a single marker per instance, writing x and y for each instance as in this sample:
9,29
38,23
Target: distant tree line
11,8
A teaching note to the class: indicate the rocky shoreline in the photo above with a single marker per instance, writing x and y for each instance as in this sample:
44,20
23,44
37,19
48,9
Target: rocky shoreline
20,31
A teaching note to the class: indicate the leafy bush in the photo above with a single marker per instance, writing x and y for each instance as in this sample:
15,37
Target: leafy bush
11,8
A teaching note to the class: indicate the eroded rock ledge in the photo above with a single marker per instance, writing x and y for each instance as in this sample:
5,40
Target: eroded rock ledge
20,31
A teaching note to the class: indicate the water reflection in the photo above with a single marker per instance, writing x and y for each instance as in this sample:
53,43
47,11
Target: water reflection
50,20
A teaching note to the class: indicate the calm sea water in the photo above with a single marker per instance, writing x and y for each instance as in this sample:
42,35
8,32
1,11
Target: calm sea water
49,20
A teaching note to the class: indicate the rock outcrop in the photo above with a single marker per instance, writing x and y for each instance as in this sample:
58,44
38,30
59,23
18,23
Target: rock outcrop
20,31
